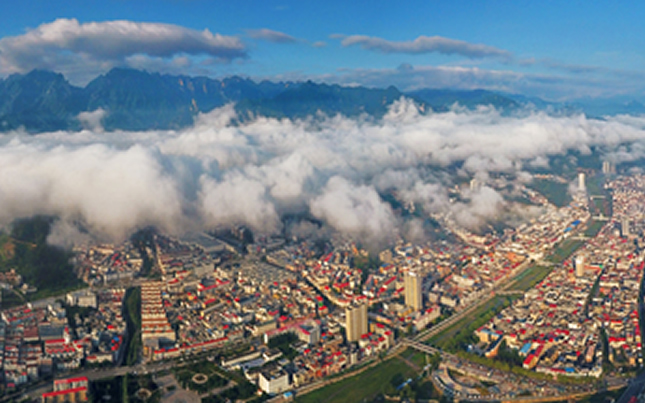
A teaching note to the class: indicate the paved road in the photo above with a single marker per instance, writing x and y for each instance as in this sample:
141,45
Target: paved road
36,391
634,388
216,391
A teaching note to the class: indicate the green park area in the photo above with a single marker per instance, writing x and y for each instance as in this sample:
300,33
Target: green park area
283,343
127,388
564,250
529,278
556,192
593,228
461,332
200,377
243,391
132,302
595,185
379,381
107,390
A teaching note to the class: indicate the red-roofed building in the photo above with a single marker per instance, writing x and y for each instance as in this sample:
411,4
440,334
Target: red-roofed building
69,395
530,362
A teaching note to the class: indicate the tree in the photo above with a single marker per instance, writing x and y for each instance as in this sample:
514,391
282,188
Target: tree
435,360
396,380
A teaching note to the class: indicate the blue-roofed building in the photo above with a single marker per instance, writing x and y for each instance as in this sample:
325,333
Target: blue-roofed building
524,351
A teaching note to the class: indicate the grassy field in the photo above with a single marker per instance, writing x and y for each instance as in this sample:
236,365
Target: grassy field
530,278
40,294
415,357
462,331
363,387
555,192
597,206
593,228
595,185
564,250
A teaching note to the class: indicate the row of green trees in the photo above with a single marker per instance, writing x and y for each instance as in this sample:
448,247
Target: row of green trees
133,322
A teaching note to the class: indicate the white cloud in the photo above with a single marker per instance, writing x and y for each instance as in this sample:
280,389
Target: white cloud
485,204
237,200
268,35
424,44
355,210
113,191
74,48
92,120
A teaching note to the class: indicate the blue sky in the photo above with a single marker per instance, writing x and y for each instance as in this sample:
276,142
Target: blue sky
555,50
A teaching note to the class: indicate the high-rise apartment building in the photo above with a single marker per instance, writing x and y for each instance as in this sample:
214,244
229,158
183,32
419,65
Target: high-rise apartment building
413,296
356,321
624,227
580,266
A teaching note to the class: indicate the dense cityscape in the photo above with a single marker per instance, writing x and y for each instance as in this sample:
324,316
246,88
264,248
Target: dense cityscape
483,318
322,202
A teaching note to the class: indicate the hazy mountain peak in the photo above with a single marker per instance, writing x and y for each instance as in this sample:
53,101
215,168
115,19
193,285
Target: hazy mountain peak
138,100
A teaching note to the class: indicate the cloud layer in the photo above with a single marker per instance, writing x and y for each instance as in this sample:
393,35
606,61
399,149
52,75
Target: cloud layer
407,77
68,46
335,169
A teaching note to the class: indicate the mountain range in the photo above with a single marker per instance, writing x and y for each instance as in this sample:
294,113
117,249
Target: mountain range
42,101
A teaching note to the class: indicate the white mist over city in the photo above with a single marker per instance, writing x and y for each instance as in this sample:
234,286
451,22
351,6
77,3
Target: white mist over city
217,174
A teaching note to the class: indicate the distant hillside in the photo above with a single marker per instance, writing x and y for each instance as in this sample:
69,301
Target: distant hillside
442,99
42,265
138,100
39,100
309,98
